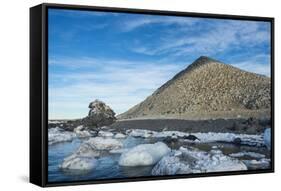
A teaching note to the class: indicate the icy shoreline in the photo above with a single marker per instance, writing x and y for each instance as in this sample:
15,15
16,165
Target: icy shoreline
158,154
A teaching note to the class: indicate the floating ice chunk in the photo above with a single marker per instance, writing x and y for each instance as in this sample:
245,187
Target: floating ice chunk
170,134
105,134
84,157
246,139
101,143
118,151
258,164
177,153
140,133
254,140
55,122
214,161
82,132
57,135
119,136
78,163
144,154
170,165
250,154
267,138
86,150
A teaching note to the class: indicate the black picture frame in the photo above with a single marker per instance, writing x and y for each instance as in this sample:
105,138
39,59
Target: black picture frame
39,92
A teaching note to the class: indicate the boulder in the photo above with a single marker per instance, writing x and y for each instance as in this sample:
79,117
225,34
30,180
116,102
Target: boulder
191,137
99,115
237,141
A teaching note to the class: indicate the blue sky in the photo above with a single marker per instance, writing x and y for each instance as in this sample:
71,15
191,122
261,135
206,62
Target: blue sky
122,58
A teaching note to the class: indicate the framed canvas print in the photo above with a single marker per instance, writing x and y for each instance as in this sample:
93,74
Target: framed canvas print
121,95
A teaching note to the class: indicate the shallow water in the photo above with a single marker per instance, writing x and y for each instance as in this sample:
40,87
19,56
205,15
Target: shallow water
108,167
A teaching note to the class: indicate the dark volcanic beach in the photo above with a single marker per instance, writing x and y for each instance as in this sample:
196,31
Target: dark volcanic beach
247,126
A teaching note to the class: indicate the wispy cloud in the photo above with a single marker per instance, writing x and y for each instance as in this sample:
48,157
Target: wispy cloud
132,24
259,64
215,37
74,14
120,87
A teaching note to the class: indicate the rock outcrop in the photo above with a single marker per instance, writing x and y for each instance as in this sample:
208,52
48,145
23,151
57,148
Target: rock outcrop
99,115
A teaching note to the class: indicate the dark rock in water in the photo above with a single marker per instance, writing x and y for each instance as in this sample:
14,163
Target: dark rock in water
99,115
237,141
170,140
191,137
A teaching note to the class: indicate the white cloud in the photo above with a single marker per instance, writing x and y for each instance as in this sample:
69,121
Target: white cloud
120,84
259,64
215,37
132,24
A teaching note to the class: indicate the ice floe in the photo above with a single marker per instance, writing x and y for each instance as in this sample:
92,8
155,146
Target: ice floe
263,163
81,131
267,138
213,161
78,163
84,158
140,133
55,122
119,136
171,165
144,154
57,135
105,134
196,161
93,147
246,139
118,151
249,154
101,143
